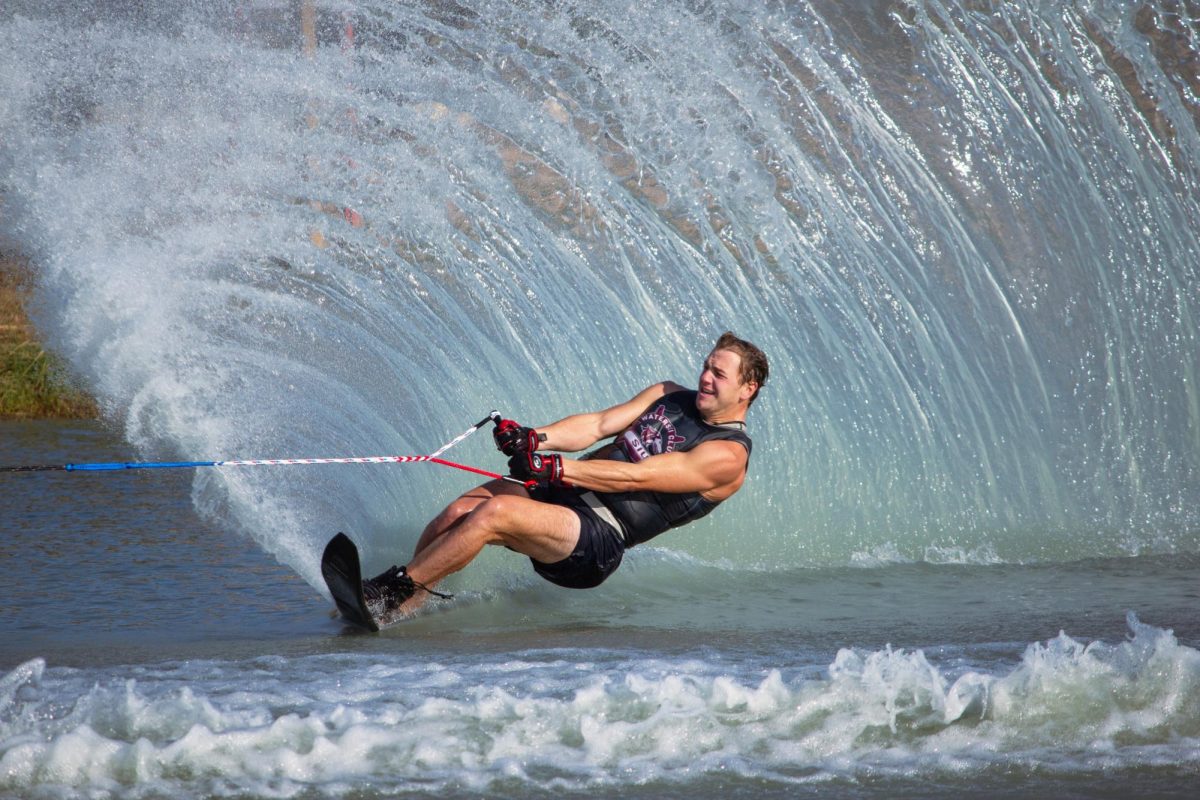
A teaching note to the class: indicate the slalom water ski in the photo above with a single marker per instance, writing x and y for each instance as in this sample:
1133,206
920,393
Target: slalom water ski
343,575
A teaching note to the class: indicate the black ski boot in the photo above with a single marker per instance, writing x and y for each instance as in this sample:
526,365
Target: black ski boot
388,590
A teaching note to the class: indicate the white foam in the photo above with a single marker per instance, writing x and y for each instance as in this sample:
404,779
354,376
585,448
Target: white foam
563,720
889,553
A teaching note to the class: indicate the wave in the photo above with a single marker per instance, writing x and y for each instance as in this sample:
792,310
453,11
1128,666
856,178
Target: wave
541,721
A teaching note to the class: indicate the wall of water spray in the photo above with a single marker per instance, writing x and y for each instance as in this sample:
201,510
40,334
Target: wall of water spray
966,234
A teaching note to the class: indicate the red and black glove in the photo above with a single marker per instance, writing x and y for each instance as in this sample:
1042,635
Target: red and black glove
512,439
545,468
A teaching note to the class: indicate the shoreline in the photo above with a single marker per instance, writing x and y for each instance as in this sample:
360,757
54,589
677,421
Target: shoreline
33,382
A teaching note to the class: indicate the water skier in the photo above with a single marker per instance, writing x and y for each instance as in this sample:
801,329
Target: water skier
676,455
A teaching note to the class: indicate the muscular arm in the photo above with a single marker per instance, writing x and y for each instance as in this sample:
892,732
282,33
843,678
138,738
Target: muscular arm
715,469
581,431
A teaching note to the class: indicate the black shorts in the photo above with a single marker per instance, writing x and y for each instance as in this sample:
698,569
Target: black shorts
597,554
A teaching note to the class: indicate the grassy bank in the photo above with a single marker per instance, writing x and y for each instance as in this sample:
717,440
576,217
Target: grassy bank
32,381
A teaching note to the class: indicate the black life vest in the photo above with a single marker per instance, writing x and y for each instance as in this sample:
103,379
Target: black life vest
670,424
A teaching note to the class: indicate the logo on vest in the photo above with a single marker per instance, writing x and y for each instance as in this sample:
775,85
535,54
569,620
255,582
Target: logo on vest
652,435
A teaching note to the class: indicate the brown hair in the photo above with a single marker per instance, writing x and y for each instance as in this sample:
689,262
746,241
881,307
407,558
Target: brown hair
754,361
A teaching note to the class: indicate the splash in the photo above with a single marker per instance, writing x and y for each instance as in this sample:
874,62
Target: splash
535,723
967,239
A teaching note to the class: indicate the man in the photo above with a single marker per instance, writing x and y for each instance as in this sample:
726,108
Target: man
677,454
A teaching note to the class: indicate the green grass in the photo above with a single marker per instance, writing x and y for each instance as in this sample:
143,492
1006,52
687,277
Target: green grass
33,382
31,386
